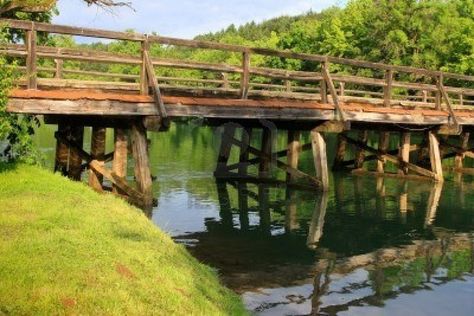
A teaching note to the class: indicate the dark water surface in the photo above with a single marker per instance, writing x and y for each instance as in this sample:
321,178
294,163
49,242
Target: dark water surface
370,246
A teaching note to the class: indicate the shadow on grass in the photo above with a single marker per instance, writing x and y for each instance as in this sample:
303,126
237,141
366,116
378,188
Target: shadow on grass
7,166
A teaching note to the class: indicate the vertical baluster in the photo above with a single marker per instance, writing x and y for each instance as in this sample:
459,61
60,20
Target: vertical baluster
387,92
144,85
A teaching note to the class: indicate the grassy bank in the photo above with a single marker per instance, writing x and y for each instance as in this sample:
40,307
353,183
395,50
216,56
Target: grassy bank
66,249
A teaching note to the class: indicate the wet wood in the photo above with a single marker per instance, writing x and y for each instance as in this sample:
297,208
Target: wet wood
98,154
340,153
359,152
435,157
120,160
320,159
459,160
293,151
142,164
404,151
225,149
244,152
266,149
384,141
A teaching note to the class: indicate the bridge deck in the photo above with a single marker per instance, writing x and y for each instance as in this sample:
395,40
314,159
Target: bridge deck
93,102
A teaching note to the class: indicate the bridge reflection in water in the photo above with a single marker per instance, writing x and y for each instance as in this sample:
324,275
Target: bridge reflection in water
353,248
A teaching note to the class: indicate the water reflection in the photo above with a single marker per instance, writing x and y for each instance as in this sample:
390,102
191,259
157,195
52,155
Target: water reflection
353,249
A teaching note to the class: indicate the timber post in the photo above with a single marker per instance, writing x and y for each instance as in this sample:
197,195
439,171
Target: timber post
320,159
404,152
459,160
384,141
225,149
120,162
97,153
142,163
244,151
359,153
266,149
76,136
435,157
293,151
340,153
61,163
31,59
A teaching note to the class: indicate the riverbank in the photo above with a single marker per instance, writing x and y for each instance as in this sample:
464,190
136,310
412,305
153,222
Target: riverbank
67,249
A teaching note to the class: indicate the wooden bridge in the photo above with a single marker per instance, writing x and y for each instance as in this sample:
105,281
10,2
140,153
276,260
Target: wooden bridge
336,96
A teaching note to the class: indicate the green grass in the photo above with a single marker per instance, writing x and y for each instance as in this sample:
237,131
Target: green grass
65,249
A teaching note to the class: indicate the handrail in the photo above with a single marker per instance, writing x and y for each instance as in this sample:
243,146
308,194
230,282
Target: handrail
115,35
147,78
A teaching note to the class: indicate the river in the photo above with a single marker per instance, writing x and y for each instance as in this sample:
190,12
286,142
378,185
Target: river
370,246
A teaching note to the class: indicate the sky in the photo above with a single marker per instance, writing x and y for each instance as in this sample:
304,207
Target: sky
183,18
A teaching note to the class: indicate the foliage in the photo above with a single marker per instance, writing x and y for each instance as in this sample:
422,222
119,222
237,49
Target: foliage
68,250
15,130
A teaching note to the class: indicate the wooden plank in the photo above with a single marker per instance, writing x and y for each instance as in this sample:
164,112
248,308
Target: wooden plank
142,164
31,60
293,151
245,76
404,151
435,157
445,95
120,162
384,141
395,160
320,159
459,160
97,153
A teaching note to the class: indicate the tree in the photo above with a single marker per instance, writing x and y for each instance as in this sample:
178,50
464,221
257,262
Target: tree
41,6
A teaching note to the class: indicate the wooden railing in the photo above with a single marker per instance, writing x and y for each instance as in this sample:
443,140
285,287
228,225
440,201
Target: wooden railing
387,86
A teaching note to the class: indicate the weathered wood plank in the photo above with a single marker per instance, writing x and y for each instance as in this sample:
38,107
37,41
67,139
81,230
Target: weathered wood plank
404,151
435,157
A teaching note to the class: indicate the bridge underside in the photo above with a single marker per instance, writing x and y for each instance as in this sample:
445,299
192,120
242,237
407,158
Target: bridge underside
131,114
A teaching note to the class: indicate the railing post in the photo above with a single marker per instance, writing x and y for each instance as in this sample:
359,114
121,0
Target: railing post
144,81
342,87
31,67
287,82
438,95
225,81
323,85
59,69
461,99
387,92
245,78
425,96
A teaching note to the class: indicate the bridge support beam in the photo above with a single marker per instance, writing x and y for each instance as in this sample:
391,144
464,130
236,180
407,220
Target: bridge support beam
72,160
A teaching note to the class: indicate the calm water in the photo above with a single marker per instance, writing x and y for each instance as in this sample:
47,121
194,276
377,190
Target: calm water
367,247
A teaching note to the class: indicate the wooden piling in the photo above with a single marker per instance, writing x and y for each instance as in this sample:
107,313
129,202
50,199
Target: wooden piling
61,163
384,142
142,163
265,161
225,148
320,159
293,153
97,153
119,165
459,160
360,153
244,151
75,160
435,157
404,152
340,153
